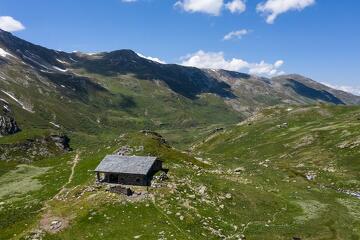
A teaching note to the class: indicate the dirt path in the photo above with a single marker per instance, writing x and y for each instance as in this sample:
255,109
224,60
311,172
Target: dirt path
74,164
49,222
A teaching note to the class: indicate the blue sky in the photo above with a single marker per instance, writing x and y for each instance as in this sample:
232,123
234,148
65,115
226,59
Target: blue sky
317,38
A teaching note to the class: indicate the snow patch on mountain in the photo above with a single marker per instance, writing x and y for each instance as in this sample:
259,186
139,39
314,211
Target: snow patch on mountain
18,101
44,71
61,61
59,69
55,125
4,101
4,53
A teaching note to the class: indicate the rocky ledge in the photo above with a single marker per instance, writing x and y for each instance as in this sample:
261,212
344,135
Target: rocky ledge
8,124
30,150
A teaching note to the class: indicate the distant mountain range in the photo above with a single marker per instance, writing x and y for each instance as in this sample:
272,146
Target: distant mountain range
48,88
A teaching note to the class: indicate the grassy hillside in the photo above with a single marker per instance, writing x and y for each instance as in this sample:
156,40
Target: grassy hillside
304,160
287,172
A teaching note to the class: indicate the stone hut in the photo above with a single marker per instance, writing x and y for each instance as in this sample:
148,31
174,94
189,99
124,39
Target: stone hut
128,170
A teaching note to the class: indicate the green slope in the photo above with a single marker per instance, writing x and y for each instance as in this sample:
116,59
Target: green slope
247,180
278,151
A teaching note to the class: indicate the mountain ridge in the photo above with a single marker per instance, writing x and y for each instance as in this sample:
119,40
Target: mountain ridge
106,88
129,56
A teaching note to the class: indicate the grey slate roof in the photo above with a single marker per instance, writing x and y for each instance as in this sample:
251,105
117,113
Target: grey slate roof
125,164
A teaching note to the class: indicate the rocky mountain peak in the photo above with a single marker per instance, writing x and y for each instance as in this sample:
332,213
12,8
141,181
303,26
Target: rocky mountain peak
126,53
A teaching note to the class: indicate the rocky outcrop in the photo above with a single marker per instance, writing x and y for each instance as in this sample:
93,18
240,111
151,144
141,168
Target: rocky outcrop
156,136
62,142
8,124
30,150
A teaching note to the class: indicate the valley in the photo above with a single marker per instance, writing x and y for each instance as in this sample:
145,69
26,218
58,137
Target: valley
249,157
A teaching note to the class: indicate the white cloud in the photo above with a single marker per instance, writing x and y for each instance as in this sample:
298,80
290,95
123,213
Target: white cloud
9,24
236,6
350,89
212,7
154,59
128,1
278,63
216,60
273,8
236,34
266,69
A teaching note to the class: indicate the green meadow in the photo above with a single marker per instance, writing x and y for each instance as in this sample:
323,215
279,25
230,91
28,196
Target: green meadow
284,173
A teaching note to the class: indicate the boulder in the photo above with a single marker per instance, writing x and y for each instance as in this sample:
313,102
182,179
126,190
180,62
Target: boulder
228,196
239,169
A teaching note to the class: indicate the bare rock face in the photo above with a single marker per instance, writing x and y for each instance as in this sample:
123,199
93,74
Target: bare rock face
8,124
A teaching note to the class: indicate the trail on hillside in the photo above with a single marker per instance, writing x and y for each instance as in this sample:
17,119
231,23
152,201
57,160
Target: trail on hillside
48,219
73,166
